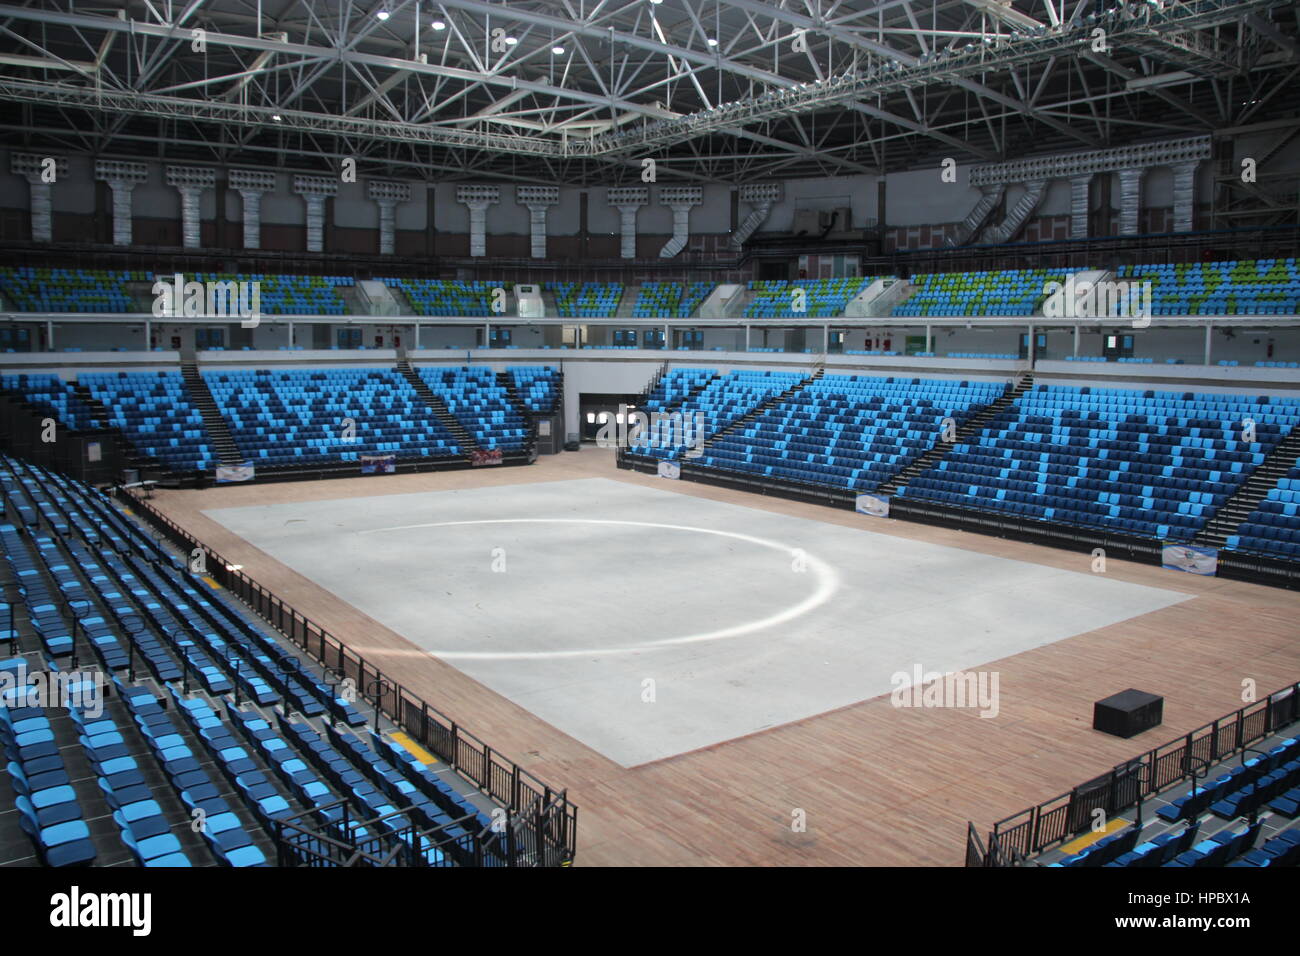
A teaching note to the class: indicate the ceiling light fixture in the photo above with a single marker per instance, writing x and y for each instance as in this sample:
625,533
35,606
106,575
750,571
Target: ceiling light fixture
439,25
711,41
382,14
558,50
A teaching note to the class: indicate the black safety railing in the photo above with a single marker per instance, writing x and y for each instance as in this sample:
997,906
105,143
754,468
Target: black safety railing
545,811
1052,822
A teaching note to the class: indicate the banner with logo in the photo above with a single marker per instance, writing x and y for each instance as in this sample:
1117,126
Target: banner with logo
485,456
669,469
872,505
378,464
1184,557
227,473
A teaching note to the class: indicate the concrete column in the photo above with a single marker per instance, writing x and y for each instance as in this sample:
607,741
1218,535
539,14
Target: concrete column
122,178
1184,195
190,181
679,199
251,185
315,190
1080,187
538,199
627,200
478,199
1130,200
40,175
388,195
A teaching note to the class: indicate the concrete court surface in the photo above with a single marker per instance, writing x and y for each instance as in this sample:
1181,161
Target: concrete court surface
647,624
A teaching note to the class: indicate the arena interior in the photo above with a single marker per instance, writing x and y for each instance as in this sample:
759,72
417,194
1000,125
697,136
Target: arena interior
450,433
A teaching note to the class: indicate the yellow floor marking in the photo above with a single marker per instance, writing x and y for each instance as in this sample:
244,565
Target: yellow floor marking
211,582
1088,839
415,749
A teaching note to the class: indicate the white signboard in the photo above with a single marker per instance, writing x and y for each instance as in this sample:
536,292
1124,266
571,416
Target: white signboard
1184,557
871,505
669,469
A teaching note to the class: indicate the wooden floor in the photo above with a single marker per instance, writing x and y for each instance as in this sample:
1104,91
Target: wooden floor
877,785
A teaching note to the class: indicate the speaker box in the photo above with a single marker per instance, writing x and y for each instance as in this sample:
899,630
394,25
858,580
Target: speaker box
1128,713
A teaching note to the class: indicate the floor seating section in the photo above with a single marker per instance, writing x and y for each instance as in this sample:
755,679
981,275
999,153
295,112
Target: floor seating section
536,386
153,411
720,403
473,395
448,296
52,396
1273,528
35,289
849,431
1004,292
1144,463
589,300
317,416
1236,287
287,295
822,297
670,300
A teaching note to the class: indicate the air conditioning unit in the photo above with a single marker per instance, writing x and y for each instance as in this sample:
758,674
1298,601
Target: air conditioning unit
807,222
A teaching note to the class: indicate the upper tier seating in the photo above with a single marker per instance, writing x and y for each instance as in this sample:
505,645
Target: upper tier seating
448,296
1273,528
1005,292
33,289
822,297
720,403
536,386
1145,463
670,300
473,395
288,295
848,431
153,410
300,417
1237,287
590,300
52,395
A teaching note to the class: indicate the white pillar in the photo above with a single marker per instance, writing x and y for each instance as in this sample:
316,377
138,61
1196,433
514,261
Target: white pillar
190,181
251,184
1079,189
538,199
315,190
122,178
679,199
40,176
388,195
1184,195
478,198
1130,200
627,200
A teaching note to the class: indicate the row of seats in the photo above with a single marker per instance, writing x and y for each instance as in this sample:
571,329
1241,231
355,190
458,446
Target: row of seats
153,410
1273,528
473,395
1233,287
723,400
1151,464
1001,292
287,295
450,296
536,386
848,431
303,417
588,300
37,289
670,300
52,396
819,297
